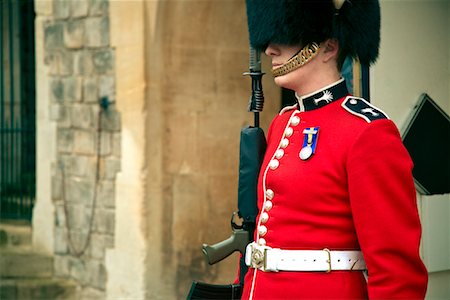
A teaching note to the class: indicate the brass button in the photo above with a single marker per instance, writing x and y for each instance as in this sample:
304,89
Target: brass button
284,143
288,132
274,163
264,217
279,153
269,194
295,121
262,230
268,205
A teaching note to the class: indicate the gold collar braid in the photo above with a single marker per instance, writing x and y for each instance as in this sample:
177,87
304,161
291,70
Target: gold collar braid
305,55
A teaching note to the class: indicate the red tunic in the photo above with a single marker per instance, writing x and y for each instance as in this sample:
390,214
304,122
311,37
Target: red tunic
355,192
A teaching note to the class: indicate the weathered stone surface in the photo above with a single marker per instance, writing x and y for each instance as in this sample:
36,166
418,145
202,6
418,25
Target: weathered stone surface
97,34
83,63
105,143
78,270
64,118
80,191
107,87
61,265
56,188
81,116
56,90
53,35
84,142
65,140
74,34
61,9
109,168
90,89
106,194
98,7
110,119
79,8
104,221
96,274
73,88
116,144
103,61
97,246
61,246
83,166
59,62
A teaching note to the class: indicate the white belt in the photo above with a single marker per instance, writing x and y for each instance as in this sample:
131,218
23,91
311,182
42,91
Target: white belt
273,259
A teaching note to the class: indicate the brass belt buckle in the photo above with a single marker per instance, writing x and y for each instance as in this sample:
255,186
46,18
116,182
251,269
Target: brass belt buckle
328,260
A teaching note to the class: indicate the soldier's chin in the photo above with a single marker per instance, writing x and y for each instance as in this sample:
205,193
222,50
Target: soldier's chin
285,81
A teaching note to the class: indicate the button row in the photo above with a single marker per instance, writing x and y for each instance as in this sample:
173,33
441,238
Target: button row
273,165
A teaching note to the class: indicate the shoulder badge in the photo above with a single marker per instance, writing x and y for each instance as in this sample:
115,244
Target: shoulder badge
363,109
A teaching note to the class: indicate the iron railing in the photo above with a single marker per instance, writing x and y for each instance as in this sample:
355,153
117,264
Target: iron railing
17,110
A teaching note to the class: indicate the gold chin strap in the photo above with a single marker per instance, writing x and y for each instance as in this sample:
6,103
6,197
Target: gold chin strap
305,55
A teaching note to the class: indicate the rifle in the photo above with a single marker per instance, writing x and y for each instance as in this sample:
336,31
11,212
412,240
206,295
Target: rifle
251,154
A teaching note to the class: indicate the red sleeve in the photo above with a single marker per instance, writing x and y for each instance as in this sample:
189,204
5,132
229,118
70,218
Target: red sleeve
384,207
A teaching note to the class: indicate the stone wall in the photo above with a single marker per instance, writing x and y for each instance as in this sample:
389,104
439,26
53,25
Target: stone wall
80,64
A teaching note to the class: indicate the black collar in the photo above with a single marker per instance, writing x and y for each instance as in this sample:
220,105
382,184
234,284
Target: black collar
323,96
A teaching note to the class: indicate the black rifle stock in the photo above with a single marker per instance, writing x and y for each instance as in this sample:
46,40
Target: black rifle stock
251,154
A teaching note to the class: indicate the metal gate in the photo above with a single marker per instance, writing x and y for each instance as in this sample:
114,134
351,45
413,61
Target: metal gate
17,110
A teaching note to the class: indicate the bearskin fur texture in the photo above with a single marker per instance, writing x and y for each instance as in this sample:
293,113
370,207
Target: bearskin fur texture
356,25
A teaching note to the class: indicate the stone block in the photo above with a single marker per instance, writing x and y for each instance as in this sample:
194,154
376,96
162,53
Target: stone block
110,119
51,59
106,194
104,221
73,88
98,7
56,90
79,8
61,244
61,9
97,32
83,166
97,246
96,272
103,61
81,116
78,270
74,34
116,144
107,87
43,7
64,118
60,214
61,265
78,217
83,63
90,89
84,142
109,168
54,112
80,191
105,143
57,191
53,35
65,140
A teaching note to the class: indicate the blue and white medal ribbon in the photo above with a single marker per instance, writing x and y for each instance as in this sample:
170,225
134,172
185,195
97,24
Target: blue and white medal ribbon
309,142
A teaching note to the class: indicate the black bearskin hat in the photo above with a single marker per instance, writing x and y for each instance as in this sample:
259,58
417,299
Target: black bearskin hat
356,25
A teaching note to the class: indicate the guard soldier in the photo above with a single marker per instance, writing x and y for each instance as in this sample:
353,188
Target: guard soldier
336,195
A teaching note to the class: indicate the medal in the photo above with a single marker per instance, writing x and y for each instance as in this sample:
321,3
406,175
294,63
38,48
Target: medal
305,153
309,142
